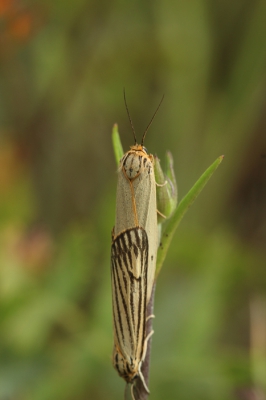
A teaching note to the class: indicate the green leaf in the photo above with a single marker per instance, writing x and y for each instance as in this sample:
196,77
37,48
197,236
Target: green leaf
186,202
117,145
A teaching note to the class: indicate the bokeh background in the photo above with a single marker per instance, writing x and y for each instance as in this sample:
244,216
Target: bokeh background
63,67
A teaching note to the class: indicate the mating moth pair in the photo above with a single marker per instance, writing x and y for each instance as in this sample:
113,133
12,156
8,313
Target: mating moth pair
134,250
133,259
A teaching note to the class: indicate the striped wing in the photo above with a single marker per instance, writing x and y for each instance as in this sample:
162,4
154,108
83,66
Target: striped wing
136,203
130,252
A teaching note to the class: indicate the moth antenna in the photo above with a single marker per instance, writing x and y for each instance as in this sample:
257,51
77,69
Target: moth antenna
130,120
144,134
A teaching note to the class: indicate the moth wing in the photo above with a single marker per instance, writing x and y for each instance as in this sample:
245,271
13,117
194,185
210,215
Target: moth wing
130,253
145,195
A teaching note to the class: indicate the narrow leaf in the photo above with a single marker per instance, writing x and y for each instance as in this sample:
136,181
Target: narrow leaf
117,145
180,211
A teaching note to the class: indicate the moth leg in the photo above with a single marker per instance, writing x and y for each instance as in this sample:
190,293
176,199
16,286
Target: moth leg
143,358
132,391
150,316
143,381
162,215
132,385
161,184
145,345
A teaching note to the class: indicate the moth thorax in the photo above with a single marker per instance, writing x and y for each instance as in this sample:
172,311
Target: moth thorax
134,164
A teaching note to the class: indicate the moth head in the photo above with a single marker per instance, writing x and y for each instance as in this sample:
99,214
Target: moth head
139,150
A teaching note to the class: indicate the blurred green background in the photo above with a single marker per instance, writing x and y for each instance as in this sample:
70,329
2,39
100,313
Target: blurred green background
63,68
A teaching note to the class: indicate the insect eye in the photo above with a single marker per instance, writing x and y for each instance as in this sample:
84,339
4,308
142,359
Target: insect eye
144,149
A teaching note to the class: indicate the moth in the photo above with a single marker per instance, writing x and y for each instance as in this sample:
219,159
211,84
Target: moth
133,258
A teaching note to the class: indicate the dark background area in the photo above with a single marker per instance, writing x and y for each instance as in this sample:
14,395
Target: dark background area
63,67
